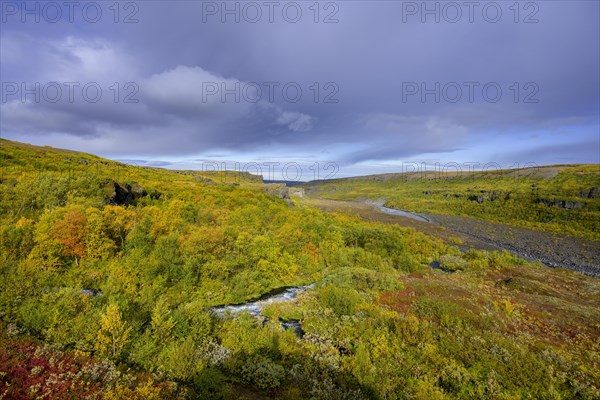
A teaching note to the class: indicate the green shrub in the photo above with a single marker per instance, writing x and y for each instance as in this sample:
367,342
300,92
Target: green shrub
263,373
341,300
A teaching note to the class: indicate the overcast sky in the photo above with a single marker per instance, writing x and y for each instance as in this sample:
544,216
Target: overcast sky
368,85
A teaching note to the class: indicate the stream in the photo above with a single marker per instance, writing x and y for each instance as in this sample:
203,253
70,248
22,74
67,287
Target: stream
402,213
394,211
255,307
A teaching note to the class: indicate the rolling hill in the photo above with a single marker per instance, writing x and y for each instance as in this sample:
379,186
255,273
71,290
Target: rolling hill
110,275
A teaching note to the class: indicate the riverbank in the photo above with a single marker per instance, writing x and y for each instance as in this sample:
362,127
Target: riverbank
552,250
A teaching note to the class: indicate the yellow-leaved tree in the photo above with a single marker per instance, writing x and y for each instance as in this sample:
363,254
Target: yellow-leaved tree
113,333
119,221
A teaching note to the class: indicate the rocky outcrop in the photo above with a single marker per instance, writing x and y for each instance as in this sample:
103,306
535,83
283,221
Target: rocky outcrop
437,265
477,198
592,193
278,190
127,194
565,204
488,195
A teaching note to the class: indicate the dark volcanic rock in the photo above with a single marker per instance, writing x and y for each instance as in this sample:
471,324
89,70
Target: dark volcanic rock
592,193
570,205
566,204
489,195
477,198
438,265
119,195
294,325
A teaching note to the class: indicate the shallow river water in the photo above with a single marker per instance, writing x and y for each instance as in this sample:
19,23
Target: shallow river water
255,307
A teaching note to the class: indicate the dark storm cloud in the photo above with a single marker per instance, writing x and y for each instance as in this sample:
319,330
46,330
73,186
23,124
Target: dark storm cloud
364,62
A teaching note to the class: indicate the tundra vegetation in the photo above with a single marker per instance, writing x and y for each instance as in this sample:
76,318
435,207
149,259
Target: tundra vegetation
560,198
108,273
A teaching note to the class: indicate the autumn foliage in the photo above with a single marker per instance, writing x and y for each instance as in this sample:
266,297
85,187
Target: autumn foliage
105,301
70,231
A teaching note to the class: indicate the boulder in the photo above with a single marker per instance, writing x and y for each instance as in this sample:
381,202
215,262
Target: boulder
477,198
592,193
123,195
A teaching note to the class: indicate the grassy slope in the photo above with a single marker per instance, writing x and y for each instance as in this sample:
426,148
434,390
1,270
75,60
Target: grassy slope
516,195
18,158
381,324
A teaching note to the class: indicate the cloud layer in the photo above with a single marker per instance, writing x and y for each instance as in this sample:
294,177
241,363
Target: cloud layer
377,86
